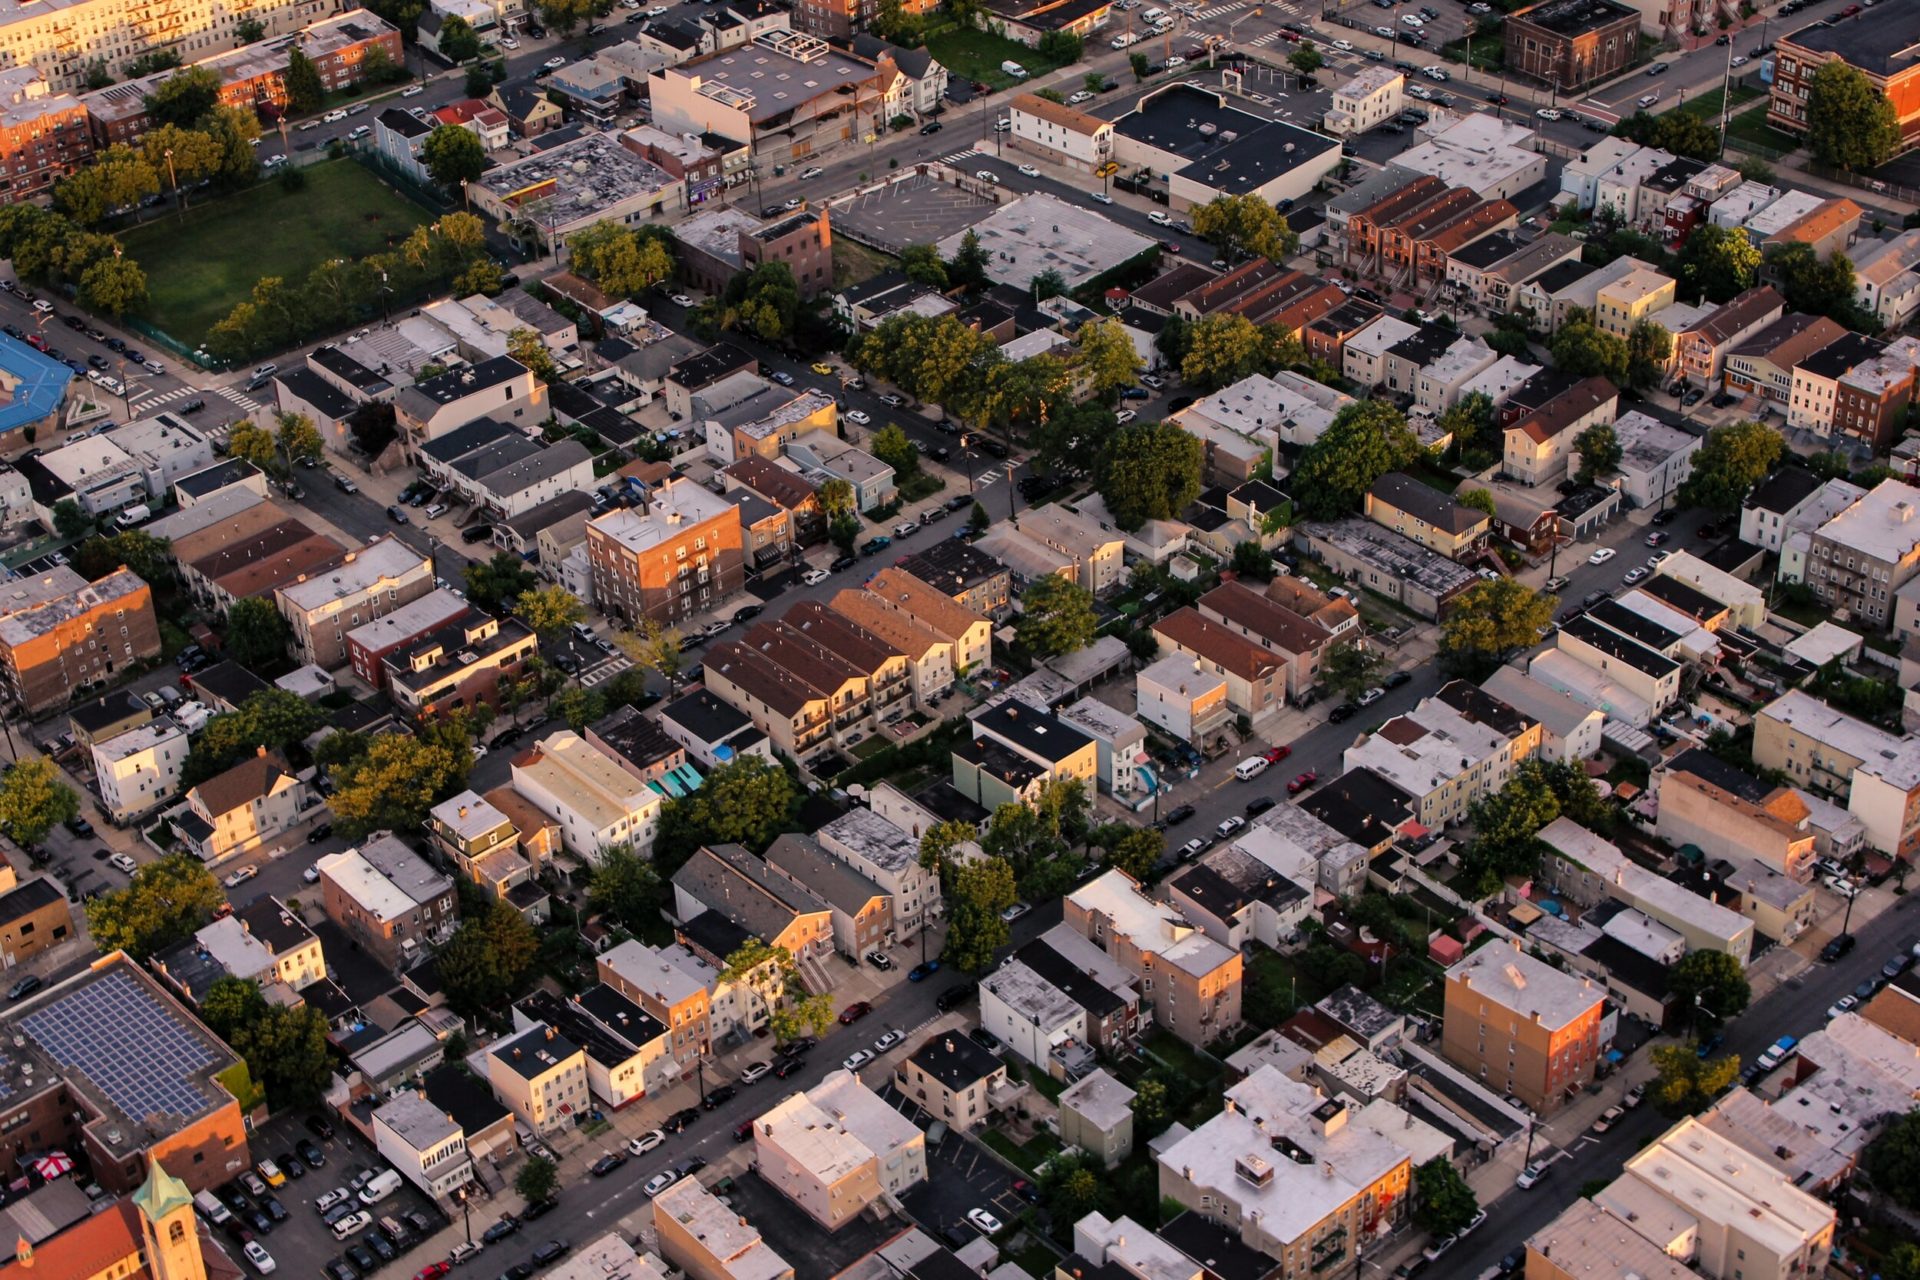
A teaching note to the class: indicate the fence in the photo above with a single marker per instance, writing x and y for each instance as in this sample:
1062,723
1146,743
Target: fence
1863,182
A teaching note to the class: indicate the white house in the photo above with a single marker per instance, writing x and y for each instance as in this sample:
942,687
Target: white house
140,768
597,803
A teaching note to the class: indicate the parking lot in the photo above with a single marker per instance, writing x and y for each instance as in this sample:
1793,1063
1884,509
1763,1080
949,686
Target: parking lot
961,1175
300,1241
916,210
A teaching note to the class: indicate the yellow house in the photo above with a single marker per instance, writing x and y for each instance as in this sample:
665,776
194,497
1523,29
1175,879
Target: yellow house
540,1076
1431,518
1632,298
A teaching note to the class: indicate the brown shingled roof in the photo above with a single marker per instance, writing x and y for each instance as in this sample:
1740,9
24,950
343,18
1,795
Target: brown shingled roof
947,617
1059,113
1819,223
244,783
1214,642
1557,414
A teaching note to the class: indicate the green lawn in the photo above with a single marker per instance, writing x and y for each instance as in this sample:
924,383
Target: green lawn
1749,132
1707,105
977,55
197,269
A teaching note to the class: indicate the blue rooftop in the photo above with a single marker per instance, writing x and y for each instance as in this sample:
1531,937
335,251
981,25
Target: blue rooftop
40,384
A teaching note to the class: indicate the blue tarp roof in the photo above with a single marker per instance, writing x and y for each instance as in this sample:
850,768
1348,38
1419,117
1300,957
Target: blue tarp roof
41,384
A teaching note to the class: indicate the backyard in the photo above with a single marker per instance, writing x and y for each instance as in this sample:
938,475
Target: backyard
976,55
199,267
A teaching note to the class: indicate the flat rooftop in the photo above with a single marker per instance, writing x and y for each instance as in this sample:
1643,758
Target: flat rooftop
1227,148
1886,45
592,172
1572,18
776,73
1038,233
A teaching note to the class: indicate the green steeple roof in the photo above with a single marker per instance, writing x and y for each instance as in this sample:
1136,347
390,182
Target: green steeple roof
162,1193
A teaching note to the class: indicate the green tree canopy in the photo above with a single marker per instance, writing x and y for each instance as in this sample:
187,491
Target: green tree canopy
1581,347
1819,286
549,610
1717,263
165,902
487,961
763,302
1364,441
454,155
33,800
1056,616
1103,354
257,634
458,41
538,1181
1490,621
1649,349
922,263
396,783
1350,667
184,99
495,584
1892,1160
1599,450
270,718
1443,1202
285,1047
1151,471
623,261
1245,226
1850,124
892,446
305,89
1687,1083
1712,982
980,891
1729,464
747,801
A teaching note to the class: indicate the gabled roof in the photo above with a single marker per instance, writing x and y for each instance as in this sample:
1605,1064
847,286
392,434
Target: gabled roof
244,783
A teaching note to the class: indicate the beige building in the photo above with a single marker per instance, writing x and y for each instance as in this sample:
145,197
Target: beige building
1192,982
1371,97
1447,752
368,583
1726,1213
969,632
712,1241
1521,1026
1096,1115
1587,869
955,1080
1059,133
1426,515
597,803
1623,303
140,769
1776,829
64,41
1095,553
541,1077
837,1149
238,809
1586,1241
1877,773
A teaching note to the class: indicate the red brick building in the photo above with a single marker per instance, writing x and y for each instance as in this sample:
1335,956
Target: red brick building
1882,43
62,636
43,136
1572,43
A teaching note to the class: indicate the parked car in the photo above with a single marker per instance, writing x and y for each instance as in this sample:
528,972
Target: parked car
1608,1118
857,1059
854,1012
606,1164
1533,1175
1302,782
988,1224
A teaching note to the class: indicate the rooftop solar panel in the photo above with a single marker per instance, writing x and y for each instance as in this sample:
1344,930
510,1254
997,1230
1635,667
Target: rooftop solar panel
131,1047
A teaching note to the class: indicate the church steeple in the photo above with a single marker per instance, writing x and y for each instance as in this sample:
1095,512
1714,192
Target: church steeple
167,1226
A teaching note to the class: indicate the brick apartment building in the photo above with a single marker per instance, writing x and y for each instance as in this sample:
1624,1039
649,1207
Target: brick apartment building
1571,43
1879,43
43,136
61,636
681,556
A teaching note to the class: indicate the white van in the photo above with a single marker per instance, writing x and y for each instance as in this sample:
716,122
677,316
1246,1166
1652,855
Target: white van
133,515
211,1209
1153,15
383,1185
1125,39
1250,768
1014,69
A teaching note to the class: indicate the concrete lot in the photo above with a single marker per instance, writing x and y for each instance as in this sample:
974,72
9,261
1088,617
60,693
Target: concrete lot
913,211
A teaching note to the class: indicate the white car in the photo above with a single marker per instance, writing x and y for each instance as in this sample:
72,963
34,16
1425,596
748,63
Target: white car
1601,556
1159,218
1344,46
1420,91
413,91
1176,61
1230,826
888,1040
659,1182
859,416
1080,97
1634,574
809,174
1436,73
1840,885
859,1059
240,877
755,1071
988,1224
1844,1004
682,300
1548,113
1371,696
359,1220
987,175
1014,912
123,863
646,1142
508,42
1125,416
339,1195
814,577
1028,171
259,1257
554,62
1413,20
1740,61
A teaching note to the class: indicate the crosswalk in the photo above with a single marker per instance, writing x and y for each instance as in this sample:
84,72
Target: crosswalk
1221,10
960,157
242,401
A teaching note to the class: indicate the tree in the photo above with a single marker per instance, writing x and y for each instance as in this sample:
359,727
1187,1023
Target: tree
530,349
1244,227
1893,1160
458,41
891,445
939,842
1469,420
1056,616
1810,284
115,286
564,15
981,890
747,801
270,718
1490,621
492,585
149,557
285,1048
798,1015
118,178
763,302
1649,350
1599,450
1049,284
1850,124
33,800
1104,356
297,438
1141,65
1717,263
1251,560
184,99
1582,348
1443,1202
454,156
549,610
377,66
1362,443
393,786
1479,500
1712,982
1351,667
256,633
486,961
968,266
1136,851
1222,348
654,647
579,707
1688,1083
1731,462
626,887
70,519
305,89
165,902
923,264
1306,59
538,1181
1151,471
623,261
977,519
1150,1111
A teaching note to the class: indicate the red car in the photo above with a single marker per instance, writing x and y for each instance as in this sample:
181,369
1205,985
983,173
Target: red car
1302,782
433,1271
1290,35
37,342
1274,755
854,1012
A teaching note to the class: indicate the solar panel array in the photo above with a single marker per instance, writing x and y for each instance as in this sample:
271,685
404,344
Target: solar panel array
135,1051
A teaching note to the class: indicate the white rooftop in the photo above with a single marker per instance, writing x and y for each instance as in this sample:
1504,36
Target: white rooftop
674,506
1101,1098
726,1236
361,570
1511,978
1890,757
668,974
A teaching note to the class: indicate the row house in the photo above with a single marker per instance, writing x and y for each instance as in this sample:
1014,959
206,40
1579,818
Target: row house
1816,379
1763,365
1692,204
1438,236
809,678
1326,338
1192,982
1875,772
1700,350
1623,303
1871,399
1487,271
1450,750
1537,441
1265,293
1886,279
1286,630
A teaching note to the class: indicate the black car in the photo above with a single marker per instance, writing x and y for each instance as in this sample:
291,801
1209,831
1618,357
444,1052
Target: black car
784,1067
718,1098
1838,946
1259,805
748,613
538,1209
319,833
1667,517
690,1166
310,1153
79,826
1179,814
500,1230
381,1246
551,1251
844,563
952,998
362,1257
258,1220
606,1164
478,533
930,127
320,1127
275,1210
679,1120
290,1166
25,987
1342,713
518,1271
800,1047
114,344
537,31
98,362
423,1225
339,1211
1397,679
234,1198
341,1269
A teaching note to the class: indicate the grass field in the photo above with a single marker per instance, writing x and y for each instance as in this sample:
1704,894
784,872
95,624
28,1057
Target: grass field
198,269
977,55
1707,105
1748,131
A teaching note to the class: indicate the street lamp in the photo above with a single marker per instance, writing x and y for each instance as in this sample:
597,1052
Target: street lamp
173,179
466,1218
